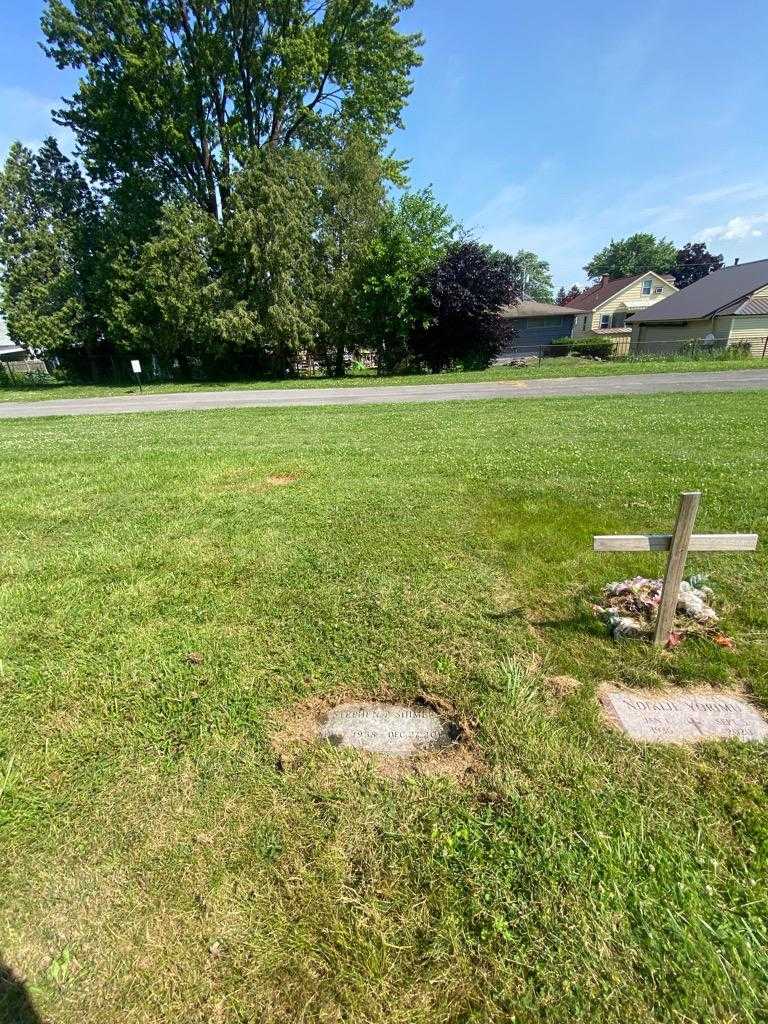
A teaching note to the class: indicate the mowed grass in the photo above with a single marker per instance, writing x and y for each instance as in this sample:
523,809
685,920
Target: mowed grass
161,862
565,366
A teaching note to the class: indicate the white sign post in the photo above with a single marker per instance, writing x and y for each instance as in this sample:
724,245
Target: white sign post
136,367
678,544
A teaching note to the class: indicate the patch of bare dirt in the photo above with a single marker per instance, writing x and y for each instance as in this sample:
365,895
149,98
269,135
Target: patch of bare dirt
242,480
281,481
460,763
562,686
298,726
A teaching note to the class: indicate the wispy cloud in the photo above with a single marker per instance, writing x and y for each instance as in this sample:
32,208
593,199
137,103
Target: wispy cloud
567,229
744,191
504,204
26,117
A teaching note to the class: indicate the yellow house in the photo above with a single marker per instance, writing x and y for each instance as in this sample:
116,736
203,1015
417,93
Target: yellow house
729,307
606,305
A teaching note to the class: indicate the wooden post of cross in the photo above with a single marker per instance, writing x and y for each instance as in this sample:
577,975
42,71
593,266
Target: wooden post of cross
678,544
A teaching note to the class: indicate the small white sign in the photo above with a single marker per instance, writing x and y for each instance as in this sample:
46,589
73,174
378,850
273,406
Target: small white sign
136,366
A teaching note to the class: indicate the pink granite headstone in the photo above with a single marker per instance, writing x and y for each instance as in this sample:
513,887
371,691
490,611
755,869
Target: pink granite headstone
675,718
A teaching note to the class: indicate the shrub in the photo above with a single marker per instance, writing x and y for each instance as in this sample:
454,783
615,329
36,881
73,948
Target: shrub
738,350
695,347
10,377
559,347
600,348
718,348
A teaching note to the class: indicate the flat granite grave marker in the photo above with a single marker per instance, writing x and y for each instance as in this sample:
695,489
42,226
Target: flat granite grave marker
380,728
675,718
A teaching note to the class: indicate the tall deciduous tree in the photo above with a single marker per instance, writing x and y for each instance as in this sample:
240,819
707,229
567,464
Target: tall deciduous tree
633,255
466,292
695,261
179,91
536,277
49,238
414,235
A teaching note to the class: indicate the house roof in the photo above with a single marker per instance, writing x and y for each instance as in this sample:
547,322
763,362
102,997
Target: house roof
529,308
750,306
607,287
722,291
9,349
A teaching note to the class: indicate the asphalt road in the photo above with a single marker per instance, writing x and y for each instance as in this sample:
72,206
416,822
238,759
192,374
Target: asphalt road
561,387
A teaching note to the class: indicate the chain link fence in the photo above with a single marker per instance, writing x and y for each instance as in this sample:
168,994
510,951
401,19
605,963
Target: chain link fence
623,349
116,371
696,348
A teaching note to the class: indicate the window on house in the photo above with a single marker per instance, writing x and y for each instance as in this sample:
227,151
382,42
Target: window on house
619,319
605,320
647,286
583,323
658,291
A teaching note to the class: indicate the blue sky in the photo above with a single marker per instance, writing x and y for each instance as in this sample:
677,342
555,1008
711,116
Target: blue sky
552,126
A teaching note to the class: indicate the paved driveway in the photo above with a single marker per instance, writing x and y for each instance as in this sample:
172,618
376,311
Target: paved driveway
628,384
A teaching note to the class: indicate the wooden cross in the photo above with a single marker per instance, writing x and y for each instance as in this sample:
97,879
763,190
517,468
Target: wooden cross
678,544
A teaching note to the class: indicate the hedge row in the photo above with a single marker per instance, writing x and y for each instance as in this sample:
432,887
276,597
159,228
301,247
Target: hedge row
599,348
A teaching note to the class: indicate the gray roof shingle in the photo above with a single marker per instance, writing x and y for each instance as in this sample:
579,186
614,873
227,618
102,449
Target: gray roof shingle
754,305
529,308
728,287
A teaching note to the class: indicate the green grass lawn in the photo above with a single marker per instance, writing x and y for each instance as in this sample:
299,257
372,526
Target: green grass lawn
566,366
161,863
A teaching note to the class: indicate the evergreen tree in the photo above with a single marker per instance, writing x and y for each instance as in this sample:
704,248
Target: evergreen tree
353,208
271,261
49,251
172,296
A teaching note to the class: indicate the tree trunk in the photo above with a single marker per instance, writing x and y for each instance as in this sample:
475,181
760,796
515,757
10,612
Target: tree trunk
93,366
338,368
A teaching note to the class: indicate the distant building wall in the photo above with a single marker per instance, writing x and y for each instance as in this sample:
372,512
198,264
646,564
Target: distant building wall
527,334
729,330
582,325
749,326
665,334
630,298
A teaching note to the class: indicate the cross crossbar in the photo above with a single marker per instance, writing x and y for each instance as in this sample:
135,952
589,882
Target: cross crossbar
663,542
678,544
